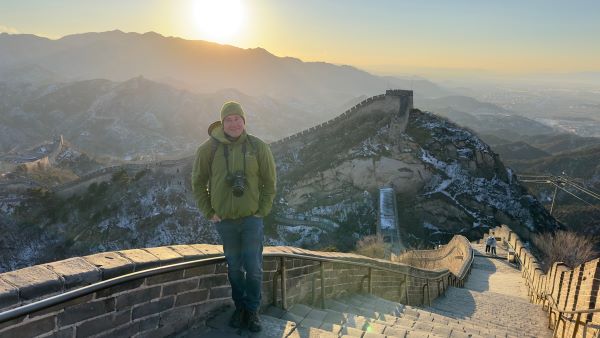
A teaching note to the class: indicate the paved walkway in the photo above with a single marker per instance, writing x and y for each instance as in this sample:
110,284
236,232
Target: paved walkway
495,295
495,274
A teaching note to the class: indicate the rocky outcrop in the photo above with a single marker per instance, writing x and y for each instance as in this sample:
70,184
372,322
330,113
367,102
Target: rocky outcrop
447,180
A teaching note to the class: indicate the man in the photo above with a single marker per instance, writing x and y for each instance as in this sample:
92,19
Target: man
493,246
233,181
488,244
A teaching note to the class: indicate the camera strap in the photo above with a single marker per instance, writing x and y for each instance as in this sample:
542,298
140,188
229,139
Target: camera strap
226,153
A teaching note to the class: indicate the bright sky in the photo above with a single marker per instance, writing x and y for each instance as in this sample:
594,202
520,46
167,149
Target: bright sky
385,37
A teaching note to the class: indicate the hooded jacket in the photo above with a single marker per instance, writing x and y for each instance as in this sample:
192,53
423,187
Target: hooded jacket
260,176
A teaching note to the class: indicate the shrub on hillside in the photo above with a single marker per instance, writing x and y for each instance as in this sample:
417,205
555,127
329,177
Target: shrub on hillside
371,246
568,247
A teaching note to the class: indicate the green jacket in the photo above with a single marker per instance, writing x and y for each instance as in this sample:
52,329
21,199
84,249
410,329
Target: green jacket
260,177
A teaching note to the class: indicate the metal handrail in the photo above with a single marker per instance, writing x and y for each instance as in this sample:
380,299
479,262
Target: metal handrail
69,295
555,307
365,265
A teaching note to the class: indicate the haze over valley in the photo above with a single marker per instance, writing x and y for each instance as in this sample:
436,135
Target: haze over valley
98,131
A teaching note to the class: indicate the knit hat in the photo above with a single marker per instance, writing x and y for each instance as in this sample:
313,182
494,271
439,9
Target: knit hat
232,108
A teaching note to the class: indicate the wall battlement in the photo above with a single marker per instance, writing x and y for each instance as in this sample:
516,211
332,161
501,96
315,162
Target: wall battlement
569,289
403,106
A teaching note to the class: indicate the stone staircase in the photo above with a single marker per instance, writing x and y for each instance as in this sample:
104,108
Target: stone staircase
493,304
493,311
368,316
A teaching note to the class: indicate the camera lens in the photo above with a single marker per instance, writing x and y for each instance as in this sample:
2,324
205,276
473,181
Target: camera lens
238,183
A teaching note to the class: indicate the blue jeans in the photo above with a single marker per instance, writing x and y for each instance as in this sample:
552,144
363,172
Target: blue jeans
243,246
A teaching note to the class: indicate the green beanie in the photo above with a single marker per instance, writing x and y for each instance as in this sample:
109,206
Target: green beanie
232,108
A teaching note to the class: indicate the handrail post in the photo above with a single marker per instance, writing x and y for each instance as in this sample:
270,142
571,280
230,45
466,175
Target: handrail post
322,267
426,285
406,289
370,281
283,284
576,325
314,289
275,277
428,293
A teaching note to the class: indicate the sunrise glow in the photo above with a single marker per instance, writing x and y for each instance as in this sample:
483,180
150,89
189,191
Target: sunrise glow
218,21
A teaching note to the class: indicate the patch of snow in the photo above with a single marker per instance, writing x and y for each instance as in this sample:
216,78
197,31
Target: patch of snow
430,226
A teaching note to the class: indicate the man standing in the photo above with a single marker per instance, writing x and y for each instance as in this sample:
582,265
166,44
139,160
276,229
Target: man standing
233,181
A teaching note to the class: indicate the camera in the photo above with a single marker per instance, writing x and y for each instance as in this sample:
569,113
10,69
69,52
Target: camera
237,180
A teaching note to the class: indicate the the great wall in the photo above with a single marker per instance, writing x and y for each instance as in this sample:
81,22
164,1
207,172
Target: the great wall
156,292
403,99
105,174
453,291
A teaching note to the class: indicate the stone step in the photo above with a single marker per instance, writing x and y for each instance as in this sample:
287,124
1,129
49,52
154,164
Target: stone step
493,308
417,322
217,327
345,324
428,319
363,316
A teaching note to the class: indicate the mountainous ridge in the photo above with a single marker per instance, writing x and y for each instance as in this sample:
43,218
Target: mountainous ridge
154,207
197,65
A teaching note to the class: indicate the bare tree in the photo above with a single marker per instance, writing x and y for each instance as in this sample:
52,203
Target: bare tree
568,247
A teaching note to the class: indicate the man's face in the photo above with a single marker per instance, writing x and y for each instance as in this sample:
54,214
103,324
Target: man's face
234,125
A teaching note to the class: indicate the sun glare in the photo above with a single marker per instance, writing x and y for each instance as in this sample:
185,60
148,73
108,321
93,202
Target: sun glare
219,20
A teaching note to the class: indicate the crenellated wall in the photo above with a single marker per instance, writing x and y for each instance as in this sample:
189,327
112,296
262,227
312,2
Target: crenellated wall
568,289
398,101
105,174
451,256
159,291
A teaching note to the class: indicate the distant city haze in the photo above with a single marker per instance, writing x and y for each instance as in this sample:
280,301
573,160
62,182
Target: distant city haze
436,39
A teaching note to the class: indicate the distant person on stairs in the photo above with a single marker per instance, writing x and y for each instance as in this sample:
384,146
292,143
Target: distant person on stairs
233,180
488,243
493,246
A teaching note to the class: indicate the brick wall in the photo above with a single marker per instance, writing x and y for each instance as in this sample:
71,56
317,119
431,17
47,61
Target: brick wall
452,256
159,304
571,289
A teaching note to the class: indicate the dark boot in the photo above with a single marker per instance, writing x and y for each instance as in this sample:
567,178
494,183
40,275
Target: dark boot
254,322
237,319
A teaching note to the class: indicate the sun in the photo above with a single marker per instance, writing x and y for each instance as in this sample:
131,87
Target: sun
219,20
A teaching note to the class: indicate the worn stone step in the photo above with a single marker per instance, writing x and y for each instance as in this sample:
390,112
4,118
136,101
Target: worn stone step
492,310
430,321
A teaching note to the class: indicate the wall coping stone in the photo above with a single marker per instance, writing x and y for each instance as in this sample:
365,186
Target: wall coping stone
166,255
76,272
141,259
208,249
187,252
9,295
34,281
111,264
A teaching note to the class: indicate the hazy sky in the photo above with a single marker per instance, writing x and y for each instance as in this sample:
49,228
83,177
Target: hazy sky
386,37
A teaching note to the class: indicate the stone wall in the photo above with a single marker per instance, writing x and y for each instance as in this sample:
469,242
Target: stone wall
569,289
396,101
144,301
452,256
37,165
105,174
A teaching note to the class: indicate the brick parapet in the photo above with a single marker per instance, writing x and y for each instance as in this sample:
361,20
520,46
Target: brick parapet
165,303
571,289
452,256
404,97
